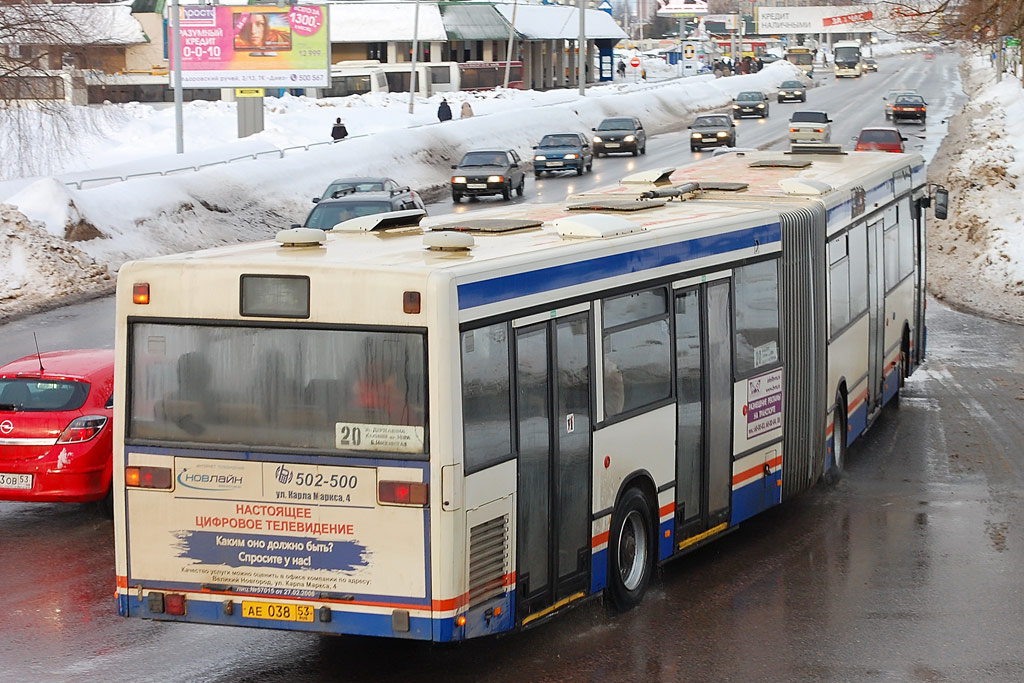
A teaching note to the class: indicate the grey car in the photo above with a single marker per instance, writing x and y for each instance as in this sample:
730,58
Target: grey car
750,103
329,212
561,152
792,90
620,134
402,195
488,172
712,130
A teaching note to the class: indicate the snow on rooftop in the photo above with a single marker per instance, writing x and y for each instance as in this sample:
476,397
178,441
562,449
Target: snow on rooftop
552,22
72,25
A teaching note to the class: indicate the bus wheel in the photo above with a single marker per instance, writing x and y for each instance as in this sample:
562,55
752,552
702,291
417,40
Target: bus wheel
839,446
630,550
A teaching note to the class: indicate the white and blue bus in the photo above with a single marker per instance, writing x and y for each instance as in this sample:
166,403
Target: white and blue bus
445,432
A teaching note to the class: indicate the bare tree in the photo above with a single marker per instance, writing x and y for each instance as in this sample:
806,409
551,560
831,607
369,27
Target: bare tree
40,44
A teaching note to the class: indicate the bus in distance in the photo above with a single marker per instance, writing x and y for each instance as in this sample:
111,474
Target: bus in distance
846,59
446,431
803,57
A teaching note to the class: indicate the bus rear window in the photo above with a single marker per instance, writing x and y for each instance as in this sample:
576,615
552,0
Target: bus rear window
324,390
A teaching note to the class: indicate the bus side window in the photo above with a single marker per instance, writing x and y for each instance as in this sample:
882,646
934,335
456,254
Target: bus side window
756,317
637,350
486,397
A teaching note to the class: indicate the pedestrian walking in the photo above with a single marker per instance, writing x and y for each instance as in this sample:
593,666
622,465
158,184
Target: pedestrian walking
621,68
467,110
339,131
444,112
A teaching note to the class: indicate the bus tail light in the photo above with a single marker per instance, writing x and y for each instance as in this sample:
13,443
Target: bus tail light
140,293
411,302
174,603
402,492
148,477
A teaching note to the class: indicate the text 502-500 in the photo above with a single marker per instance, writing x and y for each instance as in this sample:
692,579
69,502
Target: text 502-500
334,481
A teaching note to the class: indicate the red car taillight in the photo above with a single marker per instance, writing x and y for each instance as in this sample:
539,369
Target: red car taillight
402,492
82,429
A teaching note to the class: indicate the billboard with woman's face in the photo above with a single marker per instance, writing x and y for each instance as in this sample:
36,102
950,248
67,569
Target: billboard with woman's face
230,47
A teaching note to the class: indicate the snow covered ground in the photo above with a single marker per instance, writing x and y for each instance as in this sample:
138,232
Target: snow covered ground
62,241
976,258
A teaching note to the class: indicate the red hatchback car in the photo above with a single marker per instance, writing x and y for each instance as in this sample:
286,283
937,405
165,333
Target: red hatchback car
55,427
880,140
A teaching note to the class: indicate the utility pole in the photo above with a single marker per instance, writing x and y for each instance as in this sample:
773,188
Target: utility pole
179,128
581,68
415,53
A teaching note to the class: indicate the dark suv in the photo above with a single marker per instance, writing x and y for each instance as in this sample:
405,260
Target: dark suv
488,172
624,134
562,151
750,103
347,203
712,130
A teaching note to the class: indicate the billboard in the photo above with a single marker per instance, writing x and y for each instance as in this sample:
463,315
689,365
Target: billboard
851,19
232,47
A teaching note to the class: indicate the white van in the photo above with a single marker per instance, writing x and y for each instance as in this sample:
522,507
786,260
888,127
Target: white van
356,78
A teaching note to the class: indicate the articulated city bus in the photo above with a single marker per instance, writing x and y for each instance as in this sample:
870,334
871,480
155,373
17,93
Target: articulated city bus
447,432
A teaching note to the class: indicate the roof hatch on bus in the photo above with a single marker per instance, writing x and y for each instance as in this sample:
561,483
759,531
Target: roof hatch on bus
381,221
595,225
805,187
489,226
652,177
301,237
627,204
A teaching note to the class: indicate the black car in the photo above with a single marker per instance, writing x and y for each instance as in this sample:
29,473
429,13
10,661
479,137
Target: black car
870,65
792,90
750,103
909,107
562,151
712,130
488,172
624,134
348,205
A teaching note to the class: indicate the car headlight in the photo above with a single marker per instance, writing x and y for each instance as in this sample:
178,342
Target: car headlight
722,134
629,138
459,179
540,157
571,156
760,106
783,93
695,135
597,139
495,178
798,92
735,106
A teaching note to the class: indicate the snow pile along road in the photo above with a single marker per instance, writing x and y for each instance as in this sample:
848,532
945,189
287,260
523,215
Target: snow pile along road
40,268
982,165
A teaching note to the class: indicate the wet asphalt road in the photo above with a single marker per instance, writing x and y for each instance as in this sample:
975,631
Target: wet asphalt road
907,570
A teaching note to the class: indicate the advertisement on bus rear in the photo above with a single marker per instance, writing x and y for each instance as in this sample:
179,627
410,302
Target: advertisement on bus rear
234,47
278,529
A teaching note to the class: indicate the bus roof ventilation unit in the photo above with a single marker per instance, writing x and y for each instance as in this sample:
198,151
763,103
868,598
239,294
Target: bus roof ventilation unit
381,221
594,226
448,240
781,163
652,177
714,186
805,187
816,148
491,226
624,204
301,237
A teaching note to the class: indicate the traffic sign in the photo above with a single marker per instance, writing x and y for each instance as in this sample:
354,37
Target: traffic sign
634,62
249,92
689,51
1012,42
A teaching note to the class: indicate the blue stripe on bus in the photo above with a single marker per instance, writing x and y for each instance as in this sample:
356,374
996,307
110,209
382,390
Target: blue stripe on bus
494,290
857,422
756,497
665,543
297,458
598,571
192,587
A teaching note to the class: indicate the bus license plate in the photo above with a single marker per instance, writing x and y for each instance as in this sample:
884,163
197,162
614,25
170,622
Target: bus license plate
276,611
15,481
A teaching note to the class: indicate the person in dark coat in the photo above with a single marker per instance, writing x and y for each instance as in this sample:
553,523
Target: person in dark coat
444,112
339,131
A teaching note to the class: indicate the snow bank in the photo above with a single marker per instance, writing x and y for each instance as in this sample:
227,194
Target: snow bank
981,242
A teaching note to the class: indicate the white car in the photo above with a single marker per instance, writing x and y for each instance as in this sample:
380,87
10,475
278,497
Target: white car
810,126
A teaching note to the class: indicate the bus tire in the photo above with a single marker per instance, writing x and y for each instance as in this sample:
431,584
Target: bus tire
631,548
839,447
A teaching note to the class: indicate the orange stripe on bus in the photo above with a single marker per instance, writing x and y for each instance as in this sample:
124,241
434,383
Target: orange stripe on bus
667,509
122,581
599,539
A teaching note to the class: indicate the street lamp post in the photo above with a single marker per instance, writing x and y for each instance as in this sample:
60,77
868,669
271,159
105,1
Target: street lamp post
415,54
581,71
179,129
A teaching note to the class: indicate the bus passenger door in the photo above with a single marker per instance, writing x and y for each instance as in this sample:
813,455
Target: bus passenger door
554,433
704,409
876,315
